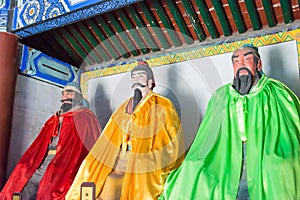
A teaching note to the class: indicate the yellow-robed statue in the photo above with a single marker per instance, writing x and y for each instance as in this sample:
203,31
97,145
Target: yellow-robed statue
141,143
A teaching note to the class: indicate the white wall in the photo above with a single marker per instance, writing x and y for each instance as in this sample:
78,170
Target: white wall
35,102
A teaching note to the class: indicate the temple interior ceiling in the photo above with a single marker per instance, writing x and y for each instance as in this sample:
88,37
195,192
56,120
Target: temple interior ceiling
151,27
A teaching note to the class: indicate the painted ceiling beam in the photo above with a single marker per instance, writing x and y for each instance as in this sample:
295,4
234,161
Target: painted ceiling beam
112,37
192,15
218,6
85,10
254,17
122,34
286,11
134,33
104,42
83,42
46,43
76,47
154,25
179,20
267,4
61,41
167,24
90,37
237,16
141,26
53,44
209,22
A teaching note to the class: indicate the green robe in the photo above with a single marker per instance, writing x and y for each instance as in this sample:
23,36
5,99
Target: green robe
269,118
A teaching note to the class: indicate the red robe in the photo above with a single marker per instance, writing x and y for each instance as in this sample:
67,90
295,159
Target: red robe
79,131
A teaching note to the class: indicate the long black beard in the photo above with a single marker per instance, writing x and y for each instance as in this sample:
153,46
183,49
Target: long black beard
136,98
243,84
66,106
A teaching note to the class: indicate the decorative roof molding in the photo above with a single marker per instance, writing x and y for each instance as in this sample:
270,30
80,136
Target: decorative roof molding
37,16
4,7
43,67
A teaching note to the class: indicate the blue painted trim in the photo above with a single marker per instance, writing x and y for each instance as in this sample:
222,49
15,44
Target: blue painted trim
4,15
49,77
24,59
15,16
69,17
24,12
34,71
6,5
83,4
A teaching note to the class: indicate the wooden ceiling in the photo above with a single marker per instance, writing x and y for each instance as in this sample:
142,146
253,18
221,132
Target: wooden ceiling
155,26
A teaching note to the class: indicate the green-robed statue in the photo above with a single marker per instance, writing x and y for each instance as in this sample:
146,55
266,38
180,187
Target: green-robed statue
247,146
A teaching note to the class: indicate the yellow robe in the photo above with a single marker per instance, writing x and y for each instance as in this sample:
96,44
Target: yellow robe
157,149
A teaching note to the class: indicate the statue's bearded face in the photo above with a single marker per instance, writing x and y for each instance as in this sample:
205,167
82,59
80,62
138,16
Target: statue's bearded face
246,68
139,79
245,59
67,95
69,99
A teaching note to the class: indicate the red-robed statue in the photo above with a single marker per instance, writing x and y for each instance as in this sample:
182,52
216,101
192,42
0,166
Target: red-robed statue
48,168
